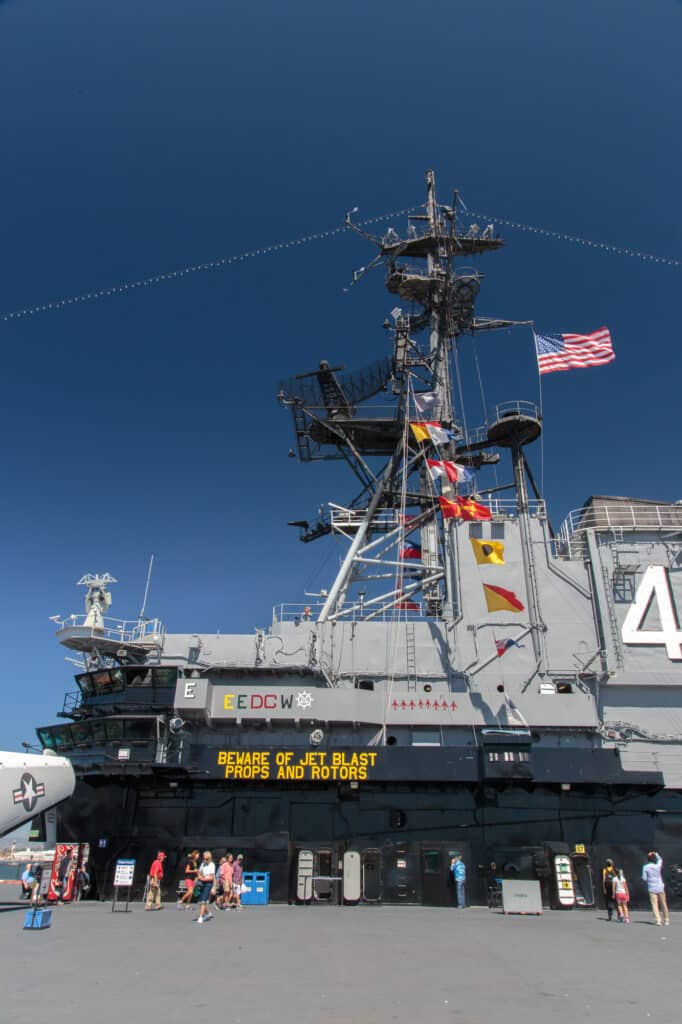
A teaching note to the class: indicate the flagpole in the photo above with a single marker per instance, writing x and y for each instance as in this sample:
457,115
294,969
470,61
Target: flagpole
542,433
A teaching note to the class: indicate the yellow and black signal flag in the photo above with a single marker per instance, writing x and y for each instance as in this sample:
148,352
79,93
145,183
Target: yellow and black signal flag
489,552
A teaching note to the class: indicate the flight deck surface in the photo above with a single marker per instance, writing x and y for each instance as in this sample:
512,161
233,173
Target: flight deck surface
303,964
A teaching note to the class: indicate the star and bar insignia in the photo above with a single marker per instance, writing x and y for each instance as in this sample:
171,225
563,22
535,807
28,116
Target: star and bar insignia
29,792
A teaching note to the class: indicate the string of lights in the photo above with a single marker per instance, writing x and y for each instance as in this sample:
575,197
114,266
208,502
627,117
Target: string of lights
173,275
618,250
225,261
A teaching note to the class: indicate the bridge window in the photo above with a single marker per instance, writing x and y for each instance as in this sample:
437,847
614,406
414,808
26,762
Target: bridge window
106,682
85,684
165,676
81,733
46,738
113,729
62,737
139,729
99,734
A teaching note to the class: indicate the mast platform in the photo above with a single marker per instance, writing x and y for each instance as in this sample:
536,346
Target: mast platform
517,423
135,636
369,435
432,245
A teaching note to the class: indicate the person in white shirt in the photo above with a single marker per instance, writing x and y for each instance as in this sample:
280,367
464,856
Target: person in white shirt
205,881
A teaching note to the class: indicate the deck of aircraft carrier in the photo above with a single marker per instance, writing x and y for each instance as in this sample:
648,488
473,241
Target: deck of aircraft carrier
301,964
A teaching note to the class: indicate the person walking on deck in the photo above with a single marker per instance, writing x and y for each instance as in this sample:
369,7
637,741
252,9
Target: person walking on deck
608,874
622,896
154,882
191,872
204,886
238,880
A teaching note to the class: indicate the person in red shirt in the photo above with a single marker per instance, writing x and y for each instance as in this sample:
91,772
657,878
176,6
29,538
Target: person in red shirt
225,877
154,882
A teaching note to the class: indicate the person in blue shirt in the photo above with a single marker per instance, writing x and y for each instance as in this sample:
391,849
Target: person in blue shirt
27,879
459,873
651,874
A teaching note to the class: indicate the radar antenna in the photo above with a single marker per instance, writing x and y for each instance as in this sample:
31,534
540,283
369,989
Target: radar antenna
97,598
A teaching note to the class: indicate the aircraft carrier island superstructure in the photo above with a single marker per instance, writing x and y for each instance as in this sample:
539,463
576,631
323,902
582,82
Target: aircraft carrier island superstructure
471,682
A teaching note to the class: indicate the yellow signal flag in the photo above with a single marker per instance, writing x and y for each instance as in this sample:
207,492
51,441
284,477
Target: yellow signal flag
488,552
420,431
500,600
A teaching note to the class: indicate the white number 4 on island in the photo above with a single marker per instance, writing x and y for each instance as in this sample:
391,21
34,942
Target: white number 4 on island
655,583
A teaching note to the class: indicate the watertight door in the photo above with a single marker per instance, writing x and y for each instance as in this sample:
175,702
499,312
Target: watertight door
351,876
371,876
584,887
324,873
434,876
304,876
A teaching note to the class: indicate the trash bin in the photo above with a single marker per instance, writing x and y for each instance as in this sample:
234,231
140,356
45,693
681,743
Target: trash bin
256,888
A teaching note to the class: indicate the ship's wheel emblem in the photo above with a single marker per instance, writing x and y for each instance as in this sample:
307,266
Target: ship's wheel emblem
29,792
304,699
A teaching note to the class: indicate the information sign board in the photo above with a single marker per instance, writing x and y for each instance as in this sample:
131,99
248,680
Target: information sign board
123,879
123,875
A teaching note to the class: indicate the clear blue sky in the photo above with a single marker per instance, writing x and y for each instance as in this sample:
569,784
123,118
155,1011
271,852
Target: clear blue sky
145,136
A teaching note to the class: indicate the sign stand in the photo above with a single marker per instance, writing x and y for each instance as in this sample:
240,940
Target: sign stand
123,879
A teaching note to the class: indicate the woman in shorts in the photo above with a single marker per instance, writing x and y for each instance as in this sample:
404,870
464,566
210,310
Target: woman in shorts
622,894
191,872
225,882
237,878
204,886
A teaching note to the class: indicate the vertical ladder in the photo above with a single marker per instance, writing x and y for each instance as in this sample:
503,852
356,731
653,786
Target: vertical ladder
411,657
613,622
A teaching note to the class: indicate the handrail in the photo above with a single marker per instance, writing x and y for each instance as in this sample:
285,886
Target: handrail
621,516
121,630
501,508
291,612
519,407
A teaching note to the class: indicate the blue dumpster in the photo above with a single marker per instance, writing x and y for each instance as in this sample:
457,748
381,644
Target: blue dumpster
256,888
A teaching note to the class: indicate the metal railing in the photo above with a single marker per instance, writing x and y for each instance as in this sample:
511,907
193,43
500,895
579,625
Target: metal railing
617,518
508,508
350,519
124,631
344,519
388,410
518,408
72,702
310,612
356,385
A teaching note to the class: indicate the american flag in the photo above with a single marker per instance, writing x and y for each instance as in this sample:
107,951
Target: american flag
573,351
